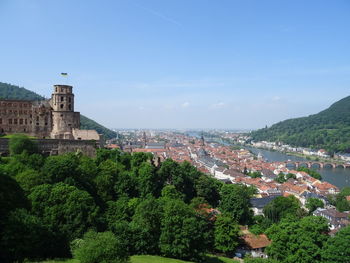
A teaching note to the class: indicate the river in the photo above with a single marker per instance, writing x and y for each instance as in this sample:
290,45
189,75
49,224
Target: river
340,177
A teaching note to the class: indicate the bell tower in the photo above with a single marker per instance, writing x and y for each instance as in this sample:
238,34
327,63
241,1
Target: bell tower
64,119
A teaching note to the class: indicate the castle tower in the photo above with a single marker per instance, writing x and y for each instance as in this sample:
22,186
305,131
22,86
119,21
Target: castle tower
64,119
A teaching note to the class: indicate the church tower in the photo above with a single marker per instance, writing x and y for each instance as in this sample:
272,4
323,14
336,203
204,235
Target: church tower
64,119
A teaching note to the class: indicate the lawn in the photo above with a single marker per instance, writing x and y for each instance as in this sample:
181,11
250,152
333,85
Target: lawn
154,259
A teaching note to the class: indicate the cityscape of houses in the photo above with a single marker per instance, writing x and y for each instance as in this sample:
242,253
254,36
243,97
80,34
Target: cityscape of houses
232,165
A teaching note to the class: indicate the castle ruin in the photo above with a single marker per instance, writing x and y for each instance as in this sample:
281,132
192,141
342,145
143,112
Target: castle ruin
54,118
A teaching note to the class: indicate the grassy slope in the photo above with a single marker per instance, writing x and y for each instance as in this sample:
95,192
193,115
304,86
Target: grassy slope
154,259
8,91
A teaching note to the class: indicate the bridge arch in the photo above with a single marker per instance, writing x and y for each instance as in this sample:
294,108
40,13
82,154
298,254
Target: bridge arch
304,164
328,165
316,165
339,166
291,165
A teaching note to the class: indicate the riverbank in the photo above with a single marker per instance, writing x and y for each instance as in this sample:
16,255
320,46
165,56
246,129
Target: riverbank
301,155
339,177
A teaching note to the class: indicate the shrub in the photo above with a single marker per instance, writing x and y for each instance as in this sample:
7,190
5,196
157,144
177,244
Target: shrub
99,248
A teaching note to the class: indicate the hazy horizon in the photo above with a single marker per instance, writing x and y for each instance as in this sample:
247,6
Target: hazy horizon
179,64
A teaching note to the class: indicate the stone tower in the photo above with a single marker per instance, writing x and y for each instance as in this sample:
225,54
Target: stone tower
64,119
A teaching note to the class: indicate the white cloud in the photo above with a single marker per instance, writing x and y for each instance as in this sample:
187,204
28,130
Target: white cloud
185,104
276,98
218,105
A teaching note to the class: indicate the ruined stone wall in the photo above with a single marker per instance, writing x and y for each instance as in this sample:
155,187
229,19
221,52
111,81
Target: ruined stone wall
63,123
27,117
56,147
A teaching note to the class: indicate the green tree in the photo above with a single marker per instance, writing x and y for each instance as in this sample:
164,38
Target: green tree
181,232
19,143
61,167
235,200
64,209
182,176
170,192
102,247
337,249
11,196
127,184
148,181
121,210
226,234
311,172
313,203
282,207
145,226
30,178
259,260
105,180
209,189
25,236
298,241
137,159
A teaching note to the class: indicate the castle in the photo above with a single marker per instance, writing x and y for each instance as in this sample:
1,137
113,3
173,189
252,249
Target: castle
47,119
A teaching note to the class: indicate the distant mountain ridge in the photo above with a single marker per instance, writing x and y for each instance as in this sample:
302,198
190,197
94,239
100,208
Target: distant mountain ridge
329,129
8,91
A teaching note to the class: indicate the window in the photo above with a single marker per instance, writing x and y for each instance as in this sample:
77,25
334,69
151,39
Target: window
21,121
61,106
15,121
62,99
70,99
70,107
26,121
10,121
0,120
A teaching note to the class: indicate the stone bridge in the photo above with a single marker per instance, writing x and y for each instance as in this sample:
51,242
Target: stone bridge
315,165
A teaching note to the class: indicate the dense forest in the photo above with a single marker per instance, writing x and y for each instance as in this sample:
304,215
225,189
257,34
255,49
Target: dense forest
329,129
8,91
107,208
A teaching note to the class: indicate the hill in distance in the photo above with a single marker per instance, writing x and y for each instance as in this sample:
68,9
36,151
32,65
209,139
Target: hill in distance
8,91
329,129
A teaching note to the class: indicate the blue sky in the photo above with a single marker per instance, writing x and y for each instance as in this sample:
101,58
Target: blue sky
181,63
